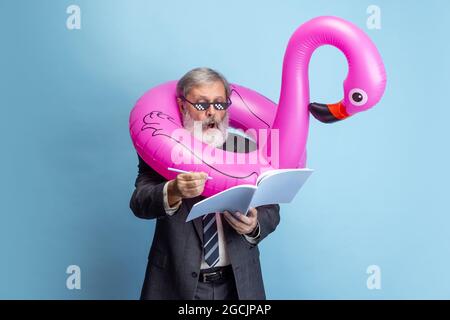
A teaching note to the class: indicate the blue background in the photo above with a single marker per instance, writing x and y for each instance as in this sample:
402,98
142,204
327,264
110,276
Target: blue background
379,194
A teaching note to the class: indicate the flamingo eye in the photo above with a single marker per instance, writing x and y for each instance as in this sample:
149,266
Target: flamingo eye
358,97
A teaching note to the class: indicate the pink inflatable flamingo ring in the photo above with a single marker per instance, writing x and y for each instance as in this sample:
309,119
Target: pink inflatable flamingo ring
156,116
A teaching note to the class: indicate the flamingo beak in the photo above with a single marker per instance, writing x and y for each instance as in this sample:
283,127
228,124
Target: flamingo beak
328,113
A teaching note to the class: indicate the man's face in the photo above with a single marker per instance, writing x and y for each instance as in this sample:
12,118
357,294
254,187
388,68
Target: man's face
213,92
214,123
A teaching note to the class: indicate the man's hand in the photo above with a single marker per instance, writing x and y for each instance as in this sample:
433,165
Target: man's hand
186,185
241,223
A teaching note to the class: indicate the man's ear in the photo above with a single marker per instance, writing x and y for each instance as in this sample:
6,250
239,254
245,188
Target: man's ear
180,104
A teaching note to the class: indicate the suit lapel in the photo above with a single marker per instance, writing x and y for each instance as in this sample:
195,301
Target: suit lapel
198,226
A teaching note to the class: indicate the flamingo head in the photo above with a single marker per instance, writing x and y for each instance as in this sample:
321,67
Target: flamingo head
361,92
356,99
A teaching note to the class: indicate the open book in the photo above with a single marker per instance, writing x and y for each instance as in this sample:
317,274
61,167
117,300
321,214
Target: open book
273,186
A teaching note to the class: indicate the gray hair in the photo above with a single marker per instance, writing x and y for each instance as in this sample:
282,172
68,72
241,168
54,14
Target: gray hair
200,76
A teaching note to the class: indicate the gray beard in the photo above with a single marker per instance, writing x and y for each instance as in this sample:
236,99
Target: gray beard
214,137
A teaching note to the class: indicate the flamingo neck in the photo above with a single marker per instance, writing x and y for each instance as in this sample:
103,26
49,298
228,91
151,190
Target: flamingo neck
292,118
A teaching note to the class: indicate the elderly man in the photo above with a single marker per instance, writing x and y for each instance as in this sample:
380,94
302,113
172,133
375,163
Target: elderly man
214,257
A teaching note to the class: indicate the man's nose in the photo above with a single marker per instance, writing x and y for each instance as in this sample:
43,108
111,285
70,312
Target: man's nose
210,112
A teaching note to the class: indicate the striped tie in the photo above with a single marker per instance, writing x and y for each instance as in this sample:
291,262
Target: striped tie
210,239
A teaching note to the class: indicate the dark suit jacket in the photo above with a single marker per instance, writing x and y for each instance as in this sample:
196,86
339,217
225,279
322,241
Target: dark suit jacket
176,252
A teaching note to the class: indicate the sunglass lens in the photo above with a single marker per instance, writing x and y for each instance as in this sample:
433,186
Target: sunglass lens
221,105
201,106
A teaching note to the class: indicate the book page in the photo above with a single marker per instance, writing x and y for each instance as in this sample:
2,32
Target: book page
237,198
279,186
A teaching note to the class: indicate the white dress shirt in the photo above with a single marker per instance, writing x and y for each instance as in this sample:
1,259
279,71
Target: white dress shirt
224,260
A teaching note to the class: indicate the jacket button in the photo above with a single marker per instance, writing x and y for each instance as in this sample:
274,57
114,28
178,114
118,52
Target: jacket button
194,274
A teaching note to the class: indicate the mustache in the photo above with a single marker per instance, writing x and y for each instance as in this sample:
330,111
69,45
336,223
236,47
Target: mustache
221,124
211,121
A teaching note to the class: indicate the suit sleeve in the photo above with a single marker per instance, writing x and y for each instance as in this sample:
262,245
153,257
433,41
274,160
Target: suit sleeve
147,199
268,218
